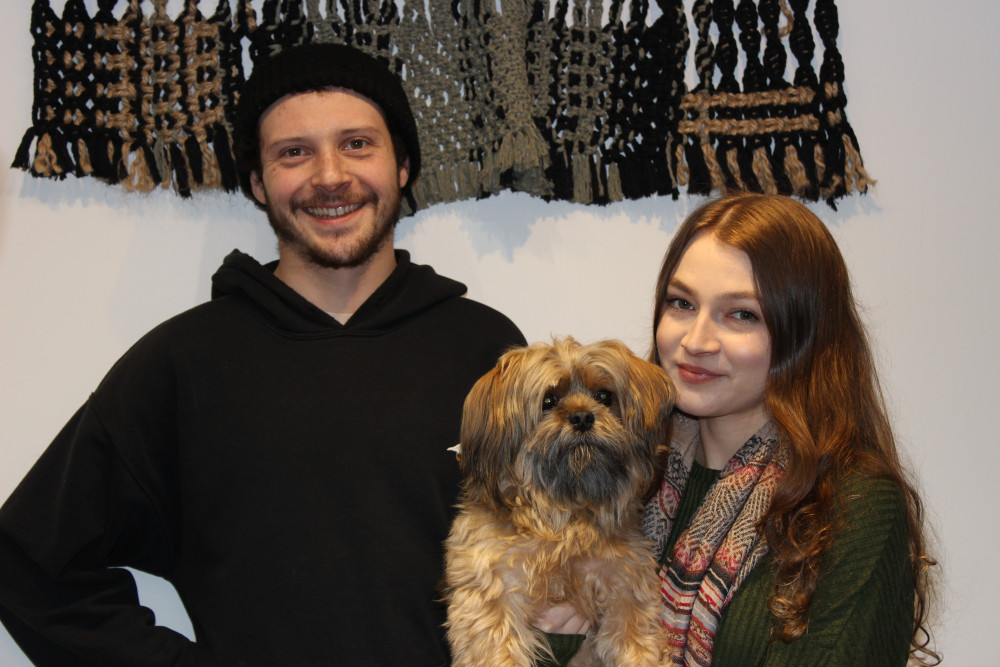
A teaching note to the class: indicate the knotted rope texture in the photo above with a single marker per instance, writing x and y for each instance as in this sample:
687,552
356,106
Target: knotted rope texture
580,100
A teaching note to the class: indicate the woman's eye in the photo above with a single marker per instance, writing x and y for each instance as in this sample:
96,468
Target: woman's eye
746,315
603,396
550,401
679,303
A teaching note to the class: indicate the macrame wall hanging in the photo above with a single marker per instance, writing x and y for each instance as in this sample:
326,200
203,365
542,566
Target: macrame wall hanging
578,100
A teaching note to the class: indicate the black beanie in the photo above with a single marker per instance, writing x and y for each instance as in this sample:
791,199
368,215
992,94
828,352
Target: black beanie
298,69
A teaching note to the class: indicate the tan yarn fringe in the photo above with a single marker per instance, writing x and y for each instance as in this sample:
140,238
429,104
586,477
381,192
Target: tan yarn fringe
734,168
45,162
210,171
795,170
582,186
84,162
139,179
762,170
714,170
820,162
683,172
854,169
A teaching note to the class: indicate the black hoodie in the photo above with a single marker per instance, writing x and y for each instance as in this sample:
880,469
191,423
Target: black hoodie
288,474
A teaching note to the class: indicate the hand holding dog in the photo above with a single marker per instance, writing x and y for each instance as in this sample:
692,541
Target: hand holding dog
561,619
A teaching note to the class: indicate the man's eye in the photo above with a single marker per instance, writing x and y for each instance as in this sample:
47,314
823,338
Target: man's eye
550,401
604,397
357,144
293,152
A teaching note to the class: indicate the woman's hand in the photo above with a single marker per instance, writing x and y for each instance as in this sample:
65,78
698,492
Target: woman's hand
561,619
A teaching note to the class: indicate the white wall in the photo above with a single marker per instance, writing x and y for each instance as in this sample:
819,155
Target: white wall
85,270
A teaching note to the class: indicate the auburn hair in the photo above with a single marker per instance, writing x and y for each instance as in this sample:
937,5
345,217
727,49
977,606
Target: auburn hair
822,391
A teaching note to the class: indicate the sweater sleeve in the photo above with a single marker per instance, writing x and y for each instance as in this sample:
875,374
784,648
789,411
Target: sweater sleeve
80,514
862,612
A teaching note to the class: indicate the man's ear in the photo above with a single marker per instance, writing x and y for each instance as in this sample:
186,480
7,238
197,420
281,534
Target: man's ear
257,186
404,172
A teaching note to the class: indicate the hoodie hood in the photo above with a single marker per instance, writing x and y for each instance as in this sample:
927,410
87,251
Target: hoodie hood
409,289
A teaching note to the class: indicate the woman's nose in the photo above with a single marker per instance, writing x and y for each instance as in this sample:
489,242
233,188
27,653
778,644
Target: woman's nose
702,336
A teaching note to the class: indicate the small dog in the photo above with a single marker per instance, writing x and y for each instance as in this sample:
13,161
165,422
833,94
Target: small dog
559,450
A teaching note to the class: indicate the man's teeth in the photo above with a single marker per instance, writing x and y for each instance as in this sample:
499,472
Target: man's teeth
334,212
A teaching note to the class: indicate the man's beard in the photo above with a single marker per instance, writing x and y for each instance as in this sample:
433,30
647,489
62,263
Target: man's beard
362,250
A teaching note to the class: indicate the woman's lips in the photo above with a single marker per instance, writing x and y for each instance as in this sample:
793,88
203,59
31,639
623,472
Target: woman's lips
695,374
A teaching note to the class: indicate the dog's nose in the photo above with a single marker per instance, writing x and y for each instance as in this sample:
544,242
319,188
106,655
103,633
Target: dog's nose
581,420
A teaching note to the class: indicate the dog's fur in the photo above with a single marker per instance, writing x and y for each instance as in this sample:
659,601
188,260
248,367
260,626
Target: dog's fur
559,449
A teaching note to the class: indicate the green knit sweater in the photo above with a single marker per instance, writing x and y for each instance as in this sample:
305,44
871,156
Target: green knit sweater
862,612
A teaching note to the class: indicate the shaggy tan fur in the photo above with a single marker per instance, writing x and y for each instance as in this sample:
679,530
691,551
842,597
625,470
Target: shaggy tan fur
559,450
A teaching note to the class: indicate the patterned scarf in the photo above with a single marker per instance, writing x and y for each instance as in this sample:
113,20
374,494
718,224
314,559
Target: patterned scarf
721,546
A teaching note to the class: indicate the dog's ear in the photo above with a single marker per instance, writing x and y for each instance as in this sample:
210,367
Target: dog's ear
493,428
656,396
645,394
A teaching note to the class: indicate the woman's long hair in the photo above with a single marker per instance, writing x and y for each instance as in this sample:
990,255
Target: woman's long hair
822,391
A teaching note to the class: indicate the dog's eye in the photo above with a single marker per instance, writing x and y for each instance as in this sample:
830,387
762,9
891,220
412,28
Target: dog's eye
550,401
603,396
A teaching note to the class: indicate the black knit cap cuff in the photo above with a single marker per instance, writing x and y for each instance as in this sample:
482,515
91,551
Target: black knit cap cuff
316,66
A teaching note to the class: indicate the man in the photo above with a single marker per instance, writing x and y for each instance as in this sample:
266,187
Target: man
280,453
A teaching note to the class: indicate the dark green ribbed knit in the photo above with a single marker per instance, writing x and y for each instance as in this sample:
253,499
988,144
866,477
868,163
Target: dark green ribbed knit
862,613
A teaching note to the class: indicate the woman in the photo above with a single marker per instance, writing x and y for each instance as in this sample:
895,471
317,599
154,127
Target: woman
787,530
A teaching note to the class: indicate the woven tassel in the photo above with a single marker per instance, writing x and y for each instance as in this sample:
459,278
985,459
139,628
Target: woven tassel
46,162
227,165
699,179
681,172
489,177
466,177
614,183
796,171
84,167
22,154
427,183
560,174
520,149
143,175
712,163
583,190
210,176
798,166
60,148
119,159
833,156
100,157
192,152
854,168
733,164
820,161
762,170
634,179
181,172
